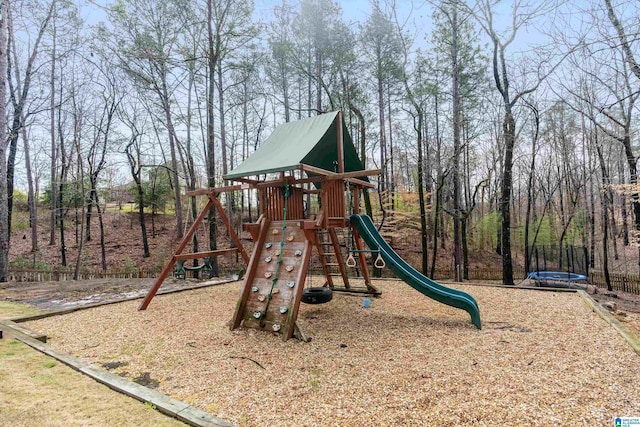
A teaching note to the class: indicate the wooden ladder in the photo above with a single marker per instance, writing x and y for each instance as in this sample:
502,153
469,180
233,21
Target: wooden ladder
329,247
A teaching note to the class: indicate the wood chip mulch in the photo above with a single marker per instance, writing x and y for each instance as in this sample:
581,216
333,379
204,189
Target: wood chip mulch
542,358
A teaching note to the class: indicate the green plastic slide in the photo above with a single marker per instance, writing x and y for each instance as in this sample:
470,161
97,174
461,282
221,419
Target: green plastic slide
411,276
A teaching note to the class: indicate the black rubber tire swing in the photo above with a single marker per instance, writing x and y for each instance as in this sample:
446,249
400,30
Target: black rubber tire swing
317,295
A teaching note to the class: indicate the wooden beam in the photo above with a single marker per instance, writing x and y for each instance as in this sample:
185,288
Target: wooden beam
250,274
199,192
336,249
246,180
216,190
205,254
9,326
363,260
360,183
228,188
340,138
355,174
290,181
316,170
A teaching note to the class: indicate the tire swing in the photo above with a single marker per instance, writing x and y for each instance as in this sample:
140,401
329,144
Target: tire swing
317,295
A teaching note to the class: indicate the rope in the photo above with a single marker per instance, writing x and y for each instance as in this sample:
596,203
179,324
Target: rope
279,262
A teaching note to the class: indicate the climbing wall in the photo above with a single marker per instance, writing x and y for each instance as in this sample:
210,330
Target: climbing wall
275,279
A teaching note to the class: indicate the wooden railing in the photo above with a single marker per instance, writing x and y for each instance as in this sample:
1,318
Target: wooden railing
619,282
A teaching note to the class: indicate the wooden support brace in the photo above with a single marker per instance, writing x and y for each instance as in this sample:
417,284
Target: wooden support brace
206,254
172,261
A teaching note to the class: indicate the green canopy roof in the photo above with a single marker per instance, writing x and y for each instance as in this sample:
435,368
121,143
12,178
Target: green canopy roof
312,141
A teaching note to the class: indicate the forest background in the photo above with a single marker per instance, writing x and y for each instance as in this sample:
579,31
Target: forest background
497,125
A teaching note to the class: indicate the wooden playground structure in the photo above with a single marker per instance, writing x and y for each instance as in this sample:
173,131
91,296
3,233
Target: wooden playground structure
313,159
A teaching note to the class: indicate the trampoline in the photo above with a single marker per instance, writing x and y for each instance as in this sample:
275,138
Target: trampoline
568,264
542,277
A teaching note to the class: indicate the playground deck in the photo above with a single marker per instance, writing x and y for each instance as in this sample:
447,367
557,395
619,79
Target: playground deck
541,358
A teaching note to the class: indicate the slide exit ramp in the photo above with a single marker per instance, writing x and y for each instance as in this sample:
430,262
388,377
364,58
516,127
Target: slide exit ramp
411,276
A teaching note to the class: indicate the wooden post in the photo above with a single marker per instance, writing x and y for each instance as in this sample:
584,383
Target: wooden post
336,249
340,138
250,274
356,199
362,259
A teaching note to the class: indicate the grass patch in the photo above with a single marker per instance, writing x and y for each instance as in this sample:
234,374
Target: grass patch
12,309
37,390
24,263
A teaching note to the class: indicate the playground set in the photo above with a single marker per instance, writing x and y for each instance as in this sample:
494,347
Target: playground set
310,158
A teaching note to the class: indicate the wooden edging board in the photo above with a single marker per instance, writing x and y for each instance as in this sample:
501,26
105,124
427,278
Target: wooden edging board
165,404
629,336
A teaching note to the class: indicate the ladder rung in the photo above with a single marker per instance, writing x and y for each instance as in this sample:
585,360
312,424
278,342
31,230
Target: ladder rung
332,264
329,253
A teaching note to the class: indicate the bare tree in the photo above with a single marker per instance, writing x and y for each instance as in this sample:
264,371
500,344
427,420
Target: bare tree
4,214
19,92
521,15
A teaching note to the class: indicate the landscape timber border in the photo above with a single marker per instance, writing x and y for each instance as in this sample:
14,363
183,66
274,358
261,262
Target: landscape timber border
629,336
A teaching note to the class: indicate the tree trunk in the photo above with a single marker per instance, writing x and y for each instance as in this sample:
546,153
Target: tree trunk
211,164
457,237
4,226
421,197
52,135
33,206
531,185
509,130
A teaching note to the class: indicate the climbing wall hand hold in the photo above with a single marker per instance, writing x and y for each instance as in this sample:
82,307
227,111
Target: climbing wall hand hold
261,298
290,238
267,259
268,274
291,284
276,327
283,309
289,268
275,231
268,245
275,291
254,289
298,252
257,314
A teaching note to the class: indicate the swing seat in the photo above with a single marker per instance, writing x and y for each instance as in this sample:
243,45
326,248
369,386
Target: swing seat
317,295
181,269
